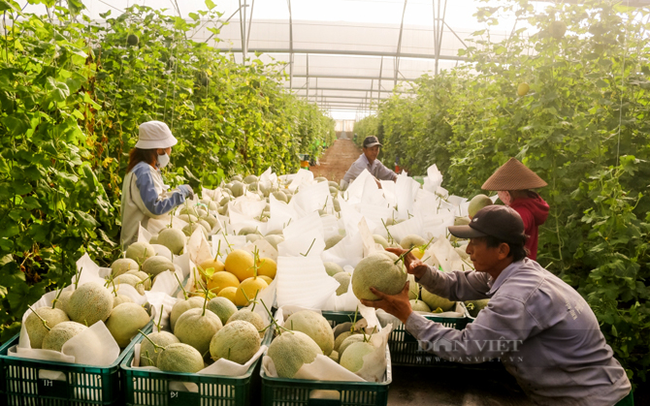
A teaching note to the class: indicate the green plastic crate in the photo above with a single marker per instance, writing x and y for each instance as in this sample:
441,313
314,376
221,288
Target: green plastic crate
83,384
298,392
152,387
404,348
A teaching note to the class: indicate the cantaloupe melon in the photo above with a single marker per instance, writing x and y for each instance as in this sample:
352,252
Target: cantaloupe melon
222,307
179,357
60,334
343,278
182,306
158,264
237,341
412,240
354,338
477,203
172,238
125,321
36,330
315,326
196,328
352,358
148,353
434,301
332,268
123,265
381,270
140,251
290,350
90,303
251,317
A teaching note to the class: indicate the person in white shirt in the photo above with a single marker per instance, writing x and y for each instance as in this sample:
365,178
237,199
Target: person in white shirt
144,193
368,160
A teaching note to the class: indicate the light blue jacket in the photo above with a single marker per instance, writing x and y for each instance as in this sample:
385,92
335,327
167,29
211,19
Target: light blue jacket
543,331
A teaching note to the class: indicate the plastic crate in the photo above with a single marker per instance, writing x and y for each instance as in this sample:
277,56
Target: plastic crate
152,387
299,392
404,348
24,382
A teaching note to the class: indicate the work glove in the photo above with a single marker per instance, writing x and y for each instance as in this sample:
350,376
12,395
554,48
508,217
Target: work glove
186,191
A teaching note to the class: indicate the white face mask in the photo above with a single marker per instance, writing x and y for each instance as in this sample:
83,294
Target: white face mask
504,196
163,160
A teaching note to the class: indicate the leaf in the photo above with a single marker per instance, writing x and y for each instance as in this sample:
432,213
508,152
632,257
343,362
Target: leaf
86,219
59,91
4,5
16,124
210,4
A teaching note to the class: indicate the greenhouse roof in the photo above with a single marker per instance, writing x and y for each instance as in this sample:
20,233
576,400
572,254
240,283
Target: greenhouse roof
344,55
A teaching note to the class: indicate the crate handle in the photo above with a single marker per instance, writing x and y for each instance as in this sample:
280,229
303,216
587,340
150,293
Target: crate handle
324,398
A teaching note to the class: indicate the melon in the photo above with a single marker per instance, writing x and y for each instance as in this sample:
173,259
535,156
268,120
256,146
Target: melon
125,321
274,240
475,306
434,301
61,333
123,265
337,205
290,350
237,341
343,278
340,338
412,240
461,221
148,353
131,280
119,299
250,179
333,184
158,264
251,317
267,267
222,280
229,293
196,328
90,303
334,356
354,338
62,301
249,289
179,357
222,307
189,229
140,251
414,288
182,306
380,240
214,264
381,271
188,218
210,219
332,268
172,238
191,210
477,203
253,237
333,240
36,330
143,276
419,306
320,179
281,196
333,191
238,188
315,326
352,358
266,279
240,263
238,178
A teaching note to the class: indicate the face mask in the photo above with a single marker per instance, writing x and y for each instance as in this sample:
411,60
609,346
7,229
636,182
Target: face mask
163,160
504,196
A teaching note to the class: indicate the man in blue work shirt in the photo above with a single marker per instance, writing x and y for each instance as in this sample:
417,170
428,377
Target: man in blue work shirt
541,329
368,160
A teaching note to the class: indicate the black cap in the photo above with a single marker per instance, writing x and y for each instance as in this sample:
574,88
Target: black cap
497,221
371,142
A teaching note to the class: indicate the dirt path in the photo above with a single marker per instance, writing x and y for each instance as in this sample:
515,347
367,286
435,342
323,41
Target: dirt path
336,160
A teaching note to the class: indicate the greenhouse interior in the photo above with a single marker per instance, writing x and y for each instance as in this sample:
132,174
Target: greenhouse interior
341,202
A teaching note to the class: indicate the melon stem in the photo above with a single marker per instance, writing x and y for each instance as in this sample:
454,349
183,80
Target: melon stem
401,257
181,286
56,299
310,247
155,346
39,316
77,276
158,325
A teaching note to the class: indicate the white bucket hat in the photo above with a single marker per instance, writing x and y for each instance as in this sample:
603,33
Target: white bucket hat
155,134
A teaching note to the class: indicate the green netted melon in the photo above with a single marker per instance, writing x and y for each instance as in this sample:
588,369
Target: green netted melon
343,278
60,334
381,271
119,299
461,221
238,178
281,196
125,321
248,230
90,303
36,330
172,238
434,301
412,240
251,317
477,203
354,338
332,268
62,301
182,306
148,353
188,218
250,179
144,277
196,328
191,210
475,306
179,357
274,240
222,307
333,184
320,179
380,240
140,251
340,338
333,240
290,350
158,264
123,265
238,188
352,358
315,326
419,306
237,341
131,280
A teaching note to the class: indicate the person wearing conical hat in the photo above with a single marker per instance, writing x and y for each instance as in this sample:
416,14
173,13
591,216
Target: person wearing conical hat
514,183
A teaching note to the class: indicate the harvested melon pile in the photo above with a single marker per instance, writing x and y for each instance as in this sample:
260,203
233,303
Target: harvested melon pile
203,331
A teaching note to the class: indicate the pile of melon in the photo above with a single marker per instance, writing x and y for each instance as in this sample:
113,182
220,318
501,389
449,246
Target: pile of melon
203,331
306,334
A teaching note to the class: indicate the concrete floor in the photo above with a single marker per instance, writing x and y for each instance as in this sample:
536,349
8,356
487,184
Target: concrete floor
454,386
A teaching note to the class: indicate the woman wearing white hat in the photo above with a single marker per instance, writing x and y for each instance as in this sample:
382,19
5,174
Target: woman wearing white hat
144,194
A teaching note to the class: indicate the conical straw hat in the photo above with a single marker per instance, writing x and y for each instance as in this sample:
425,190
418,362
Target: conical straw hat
513,175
